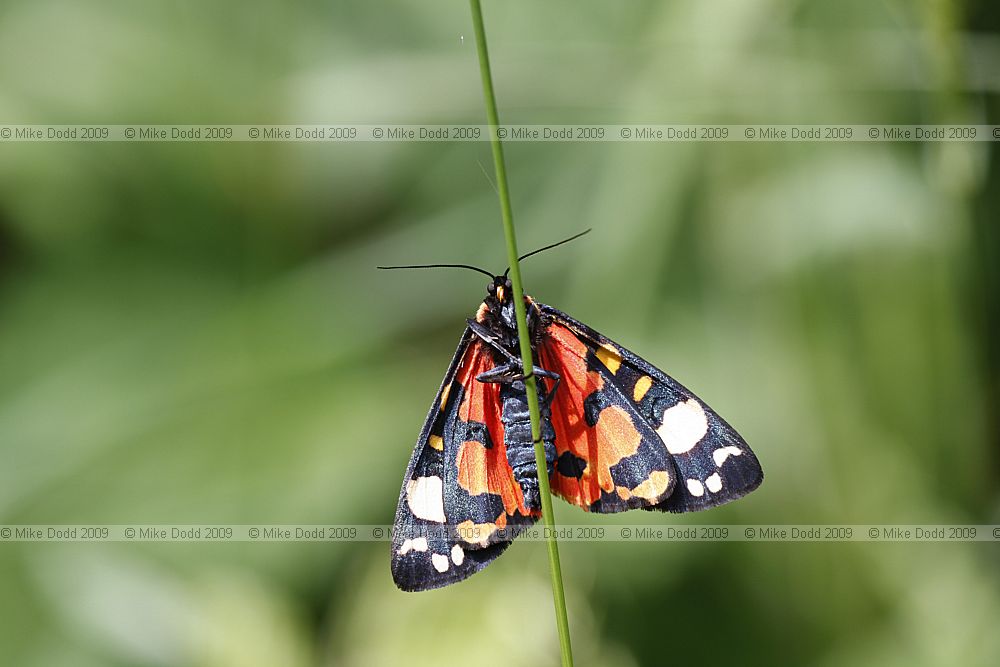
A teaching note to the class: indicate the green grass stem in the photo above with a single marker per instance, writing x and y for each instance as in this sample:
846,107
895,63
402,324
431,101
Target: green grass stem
558,594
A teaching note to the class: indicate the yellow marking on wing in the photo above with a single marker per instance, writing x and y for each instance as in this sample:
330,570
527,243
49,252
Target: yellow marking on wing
436,442
444,395
653,486
476,533
642,385
610,358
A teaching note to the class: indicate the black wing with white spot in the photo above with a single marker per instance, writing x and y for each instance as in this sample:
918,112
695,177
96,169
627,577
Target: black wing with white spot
458,506
714,465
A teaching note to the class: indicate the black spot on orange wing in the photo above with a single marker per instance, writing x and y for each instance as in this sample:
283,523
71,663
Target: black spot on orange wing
476,432
570,465
593,405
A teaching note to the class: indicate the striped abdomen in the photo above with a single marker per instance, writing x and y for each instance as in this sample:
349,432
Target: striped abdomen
517,438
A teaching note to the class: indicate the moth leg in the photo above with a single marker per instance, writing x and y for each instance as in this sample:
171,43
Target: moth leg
509,372
556,379
493,341
512,372
504,374
551,375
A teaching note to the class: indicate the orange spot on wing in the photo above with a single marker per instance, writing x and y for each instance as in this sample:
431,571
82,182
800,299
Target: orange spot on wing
617,439
472,467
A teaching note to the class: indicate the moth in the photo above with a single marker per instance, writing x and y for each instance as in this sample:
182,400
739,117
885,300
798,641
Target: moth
618,434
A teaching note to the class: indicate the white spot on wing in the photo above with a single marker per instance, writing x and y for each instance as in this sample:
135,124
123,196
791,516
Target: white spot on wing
695,488
440,562
722,453
425,497
684,425
416,544
714,483
457,554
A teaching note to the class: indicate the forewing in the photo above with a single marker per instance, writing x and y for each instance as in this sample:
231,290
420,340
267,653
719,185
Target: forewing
713,463
459,506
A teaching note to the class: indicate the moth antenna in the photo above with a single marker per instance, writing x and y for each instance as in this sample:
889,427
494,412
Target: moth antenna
549,247
439,266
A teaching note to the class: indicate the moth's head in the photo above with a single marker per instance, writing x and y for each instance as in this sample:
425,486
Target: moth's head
500,289
499,299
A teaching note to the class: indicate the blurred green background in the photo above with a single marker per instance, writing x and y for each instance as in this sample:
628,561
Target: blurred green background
194,333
